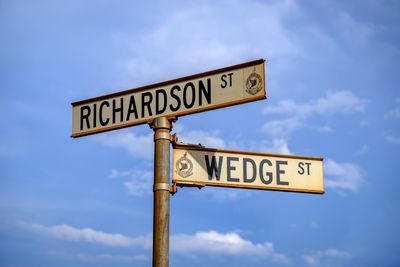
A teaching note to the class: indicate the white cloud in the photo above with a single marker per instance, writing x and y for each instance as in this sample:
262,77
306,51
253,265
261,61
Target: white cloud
137,187
212,242
222,194
318,258
140,146
393,139
195,36
118,174
336,253
314,224
138,183
333,102
353,30
343,176
282,127
342,102
310,259
275,145
205,138
363,150
395,112
337,102
325,129
97,258
70,233
3,149
364,123
209,242
278,145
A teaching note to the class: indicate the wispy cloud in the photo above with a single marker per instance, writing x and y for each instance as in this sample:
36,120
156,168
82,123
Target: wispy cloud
283,127
70,233
140,146
393,139
216,41
97,258
395,112
296,114
343,176
205,138
138,183
364,149
212,242
314,225
333,102
208,242
222,194
277,145
318,258
354,30
325,129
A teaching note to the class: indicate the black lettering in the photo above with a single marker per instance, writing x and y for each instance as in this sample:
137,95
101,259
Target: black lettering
185,95
223,85
230,168
132,108
205,92
147,103
102,105
308,168
174,96
94,115
246,179
279,172
119,109
230,78
159,109
85,116
213,167
301,169
269,174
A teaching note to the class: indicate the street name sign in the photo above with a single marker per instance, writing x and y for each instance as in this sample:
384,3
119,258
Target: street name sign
196,93
199,166
160,104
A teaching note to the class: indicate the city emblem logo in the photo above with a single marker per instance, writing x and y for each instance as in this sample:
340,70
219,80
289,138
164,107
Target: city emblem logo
184,167
254,83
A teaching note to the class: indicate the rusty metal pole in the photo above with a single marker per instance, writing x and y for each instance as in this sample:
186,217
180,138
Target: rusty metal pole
162,188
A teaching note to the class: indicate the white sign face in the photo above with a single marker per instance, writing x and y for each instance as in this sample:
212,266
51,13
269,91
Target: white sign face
210,90
198,166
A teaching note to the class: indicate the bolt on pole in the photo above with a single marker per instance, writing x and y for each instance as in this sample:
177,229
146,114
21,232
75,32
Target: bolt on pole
162,139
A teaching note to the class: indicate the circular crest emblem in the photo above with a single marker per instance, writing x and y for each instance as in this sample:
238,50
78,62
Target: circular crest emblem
184,167
253,83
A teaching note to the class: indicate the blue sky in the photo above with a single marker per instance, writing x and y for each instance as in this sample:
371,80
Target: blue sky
332,85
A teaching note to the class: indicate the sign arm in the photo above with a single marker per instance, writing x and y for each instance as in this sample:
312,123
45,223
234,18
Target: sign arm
175,143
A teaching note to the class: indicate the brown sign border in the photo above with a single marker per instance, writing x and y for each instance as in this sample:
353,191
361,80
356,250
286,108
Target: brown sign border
169,82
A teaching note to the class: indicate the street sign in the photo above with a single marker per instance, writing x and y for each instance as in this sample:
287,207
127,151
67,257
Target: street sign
160,104
196,93
199,166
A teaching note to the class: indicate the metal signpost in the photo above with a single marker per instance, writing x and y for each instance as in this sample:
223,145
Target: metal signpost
162,189
161,104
